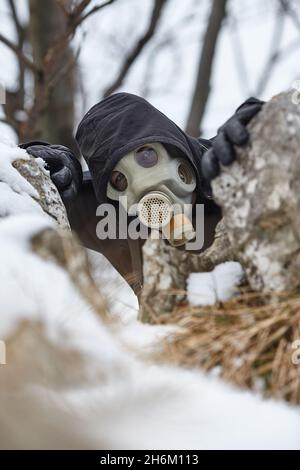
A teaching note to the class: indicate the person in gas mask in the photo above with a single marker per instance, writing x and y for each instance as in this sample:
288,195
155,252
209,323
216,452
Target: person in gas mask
134,150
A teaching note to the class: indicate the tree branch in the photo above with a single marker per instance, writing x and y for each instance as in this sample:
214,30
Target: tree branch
202,86
274,52
19,27
287,8
21,35
239,57
139,46
74,19
58,76
95,9
28,62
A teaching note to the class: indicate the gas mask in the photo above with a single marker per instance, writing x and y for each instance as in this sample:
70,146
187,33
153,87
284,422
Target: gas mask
158,188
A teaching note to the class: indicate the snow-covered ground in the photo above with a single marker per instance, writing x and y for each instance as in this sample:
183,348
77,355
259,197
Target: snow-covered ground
118,400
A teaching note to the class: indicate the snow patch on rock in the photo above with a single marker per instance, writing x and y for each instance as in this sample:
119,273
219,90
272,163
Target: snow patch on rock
216,286
11,176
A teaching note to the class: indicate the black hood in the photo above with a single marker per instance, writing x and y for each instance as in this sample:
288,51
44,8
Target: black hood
121,123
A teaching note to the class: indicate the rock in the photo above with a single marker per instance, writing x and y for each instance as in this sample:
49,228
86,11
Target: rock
165,272
64,249
49,198
219,252
260,198
37,228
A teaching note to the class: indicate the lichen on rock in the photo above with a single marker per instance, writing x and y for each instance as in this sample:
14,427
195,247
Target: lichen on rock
49,198
260,197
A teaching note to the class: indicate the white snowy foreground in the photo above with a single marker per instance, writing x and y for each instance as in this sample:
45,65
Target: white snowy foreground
81,387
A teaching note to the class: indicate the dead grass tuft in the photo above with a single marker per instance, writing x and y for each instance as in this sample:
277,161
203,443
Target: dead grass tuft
249,341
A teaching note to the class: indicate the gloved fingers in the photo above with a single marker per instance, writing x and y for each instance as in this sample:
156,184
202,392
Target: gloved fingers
62,178
236,132
58,162
65,169
36,151
55,163
55,160
210,165
246,113
223,149
69,193
250,102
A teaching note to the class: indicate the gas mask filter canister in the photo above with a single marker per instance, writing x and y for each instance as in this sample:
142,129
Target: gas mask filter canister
158,188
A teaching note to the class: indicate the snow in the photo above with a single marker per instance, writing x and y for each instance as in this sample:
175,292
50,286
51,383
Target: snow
129,403
122,401
139,405
11,176
15,192
15,203
216,286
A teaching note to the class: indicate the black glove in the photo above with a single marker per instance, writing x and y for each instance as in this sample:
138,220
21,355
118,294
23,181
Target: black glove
65,169
233,132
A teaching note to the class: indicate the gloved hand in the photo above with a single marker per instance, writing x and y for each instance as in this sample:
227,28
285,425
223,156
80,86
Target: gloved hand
233,132
65,169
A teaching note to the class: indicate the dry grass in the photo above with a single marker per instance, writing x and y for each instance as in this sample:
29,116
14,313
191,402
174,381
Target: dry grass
248,339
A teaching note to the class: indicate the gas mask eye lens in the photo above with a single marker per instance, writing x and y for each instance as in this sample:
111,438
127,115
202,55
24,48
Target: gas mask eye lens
118,181
146,157
185,173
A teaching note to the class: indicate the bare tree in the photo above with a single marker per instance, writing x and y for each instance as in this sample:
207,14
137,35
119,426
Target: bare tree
56,119
43,50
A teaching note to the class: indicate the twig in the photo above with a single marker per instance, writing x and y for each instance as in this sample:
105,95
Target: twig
81,7
62,5
287,8
139,46
239,57
28,62
19,27
274,53
20,30
95,9
52,82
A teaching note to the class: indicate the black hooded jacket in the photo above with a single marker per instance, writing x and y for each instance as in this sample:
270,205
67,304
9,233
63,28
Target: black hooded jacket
109,131
123,122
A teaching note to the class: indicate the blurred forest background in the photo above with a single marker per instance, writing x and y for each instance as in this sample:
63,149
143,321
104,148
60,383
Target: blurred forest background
196,60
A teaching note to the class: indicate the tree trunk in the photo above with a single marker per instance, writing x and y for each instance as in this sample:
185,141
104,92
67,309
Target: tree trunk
56,123
203,79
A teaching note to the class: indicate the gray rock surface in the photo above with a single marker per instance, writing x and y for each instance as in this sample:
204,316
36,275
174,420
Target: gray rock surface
260,197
